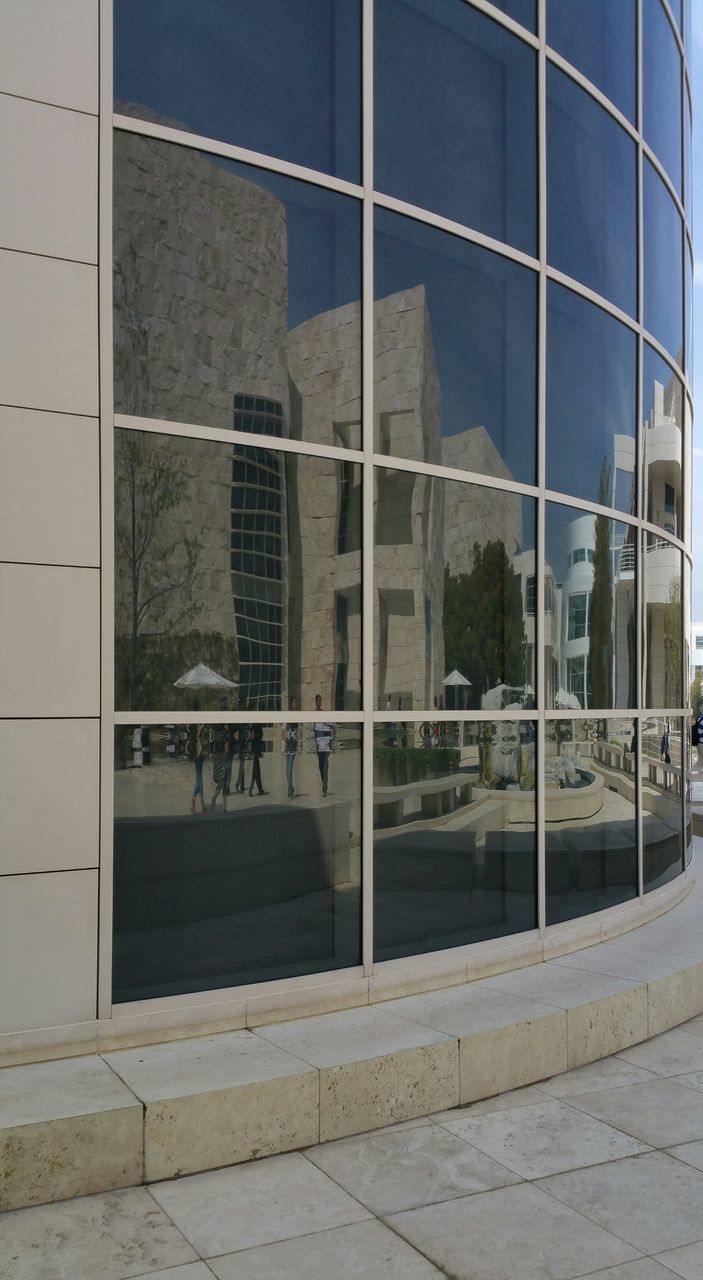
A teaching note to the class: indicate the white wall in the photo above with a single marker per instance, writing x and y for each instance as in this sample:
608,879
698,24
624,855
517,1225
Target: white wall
49,513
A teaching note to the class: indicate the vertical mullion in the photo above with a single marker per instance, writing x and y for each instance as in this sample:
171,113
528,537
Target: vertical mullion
540,681
107,535
640,608
367,594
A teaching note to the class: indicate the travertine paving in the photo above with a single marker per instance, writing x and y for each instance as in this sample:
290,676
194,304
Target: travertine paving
595,1172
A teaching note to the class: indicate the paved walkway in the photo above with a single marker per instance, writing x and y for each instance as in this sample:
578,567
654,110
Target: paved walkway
596,1172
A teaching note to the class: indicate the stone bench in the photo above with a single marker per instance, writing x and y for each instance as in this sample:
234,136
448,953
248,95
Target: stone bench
437,796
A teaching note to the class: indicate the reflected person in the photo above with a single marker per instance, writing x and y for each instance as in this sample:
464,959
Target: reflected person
324,744
290,748
257,746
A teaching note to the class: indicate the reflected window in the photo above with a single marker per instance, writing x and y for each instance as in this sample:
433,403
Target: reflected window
455,352
591,193
662,803
663,284
591,416
438,65
215,70
454,833
236,855
591,638
661,444
661,88
600,39
454,630
236,296
663,638
590,815
228,562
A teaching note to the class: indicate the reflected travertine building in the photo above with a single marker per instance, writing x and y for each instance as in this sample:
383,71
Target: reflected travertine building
263,548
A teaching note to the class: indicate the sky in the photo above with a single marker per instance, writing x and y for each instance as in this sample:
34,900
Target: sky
697,377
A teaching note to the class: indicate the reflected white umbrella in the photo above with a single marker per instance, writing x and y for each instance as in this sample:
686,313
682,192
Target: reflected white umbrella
566,701
456,680
202,677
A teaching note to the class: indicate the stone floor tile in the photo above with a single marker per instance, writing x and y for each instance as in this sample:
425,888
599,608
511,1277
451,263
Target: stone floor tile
686,1262
57,1090
191,1271
516,1232
547,1137
690,1152
335,1039
670,1054
365,1251
255,1204
694,1079
652,1201
608,1073
405,1170
112,1236
204,1065
501,1102
662,1113
642,1269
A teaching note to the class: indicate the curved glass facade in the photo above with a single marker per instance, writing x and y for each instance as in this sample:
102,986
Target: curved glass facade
401,345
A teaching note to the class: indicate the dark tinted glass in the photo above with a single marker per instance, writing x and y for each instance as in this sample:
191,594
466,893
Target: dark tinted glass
591,193
236,296
590,611
663,286
275,77
591,417
523,11
689,311
661,89
662,813
600,39
455,343
661,444
455,116
455,616
222,876
663,629
688,793
454,834
245,562
688,156
590,815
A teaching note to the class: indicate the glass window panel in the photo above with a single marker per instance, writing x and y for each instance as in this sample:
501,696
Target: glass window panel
688,156
663,285
591,634
600,39
690,762
689,311
455,117
188,592
591,193
590,815
661,89
662,813
661,444
236,296
456,357
215,70
455,856
221,876
451,567
523,11
591,394
663,629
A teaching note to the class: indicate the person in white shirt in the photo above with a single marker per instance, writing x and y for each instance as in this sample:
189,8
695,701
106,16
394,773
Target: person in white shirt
324,744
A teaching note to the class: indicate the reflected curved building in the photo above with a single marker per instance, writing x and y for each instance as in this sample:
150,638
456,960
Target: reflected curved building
395,449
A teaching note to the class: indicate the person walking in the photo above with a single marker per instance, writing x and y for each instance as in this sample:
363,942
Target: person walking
257,746
218,747
666,745
240,737
324,744
196,750
290,748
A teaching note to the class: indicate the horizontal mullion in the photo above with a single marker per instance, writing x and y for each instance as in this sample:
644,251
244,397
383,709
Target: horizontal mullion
193,431
584,83
237,717
390,463
394,205
450,717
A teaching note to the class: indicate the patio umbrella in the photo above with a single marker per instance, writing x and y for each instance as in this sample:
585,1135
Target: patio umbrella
455,683
202,677
456,679
566,701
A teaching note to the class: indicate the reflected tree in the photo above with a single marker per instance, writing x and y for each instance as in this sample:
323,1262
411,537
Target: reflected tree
484,627
156,560
697,695
600,632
